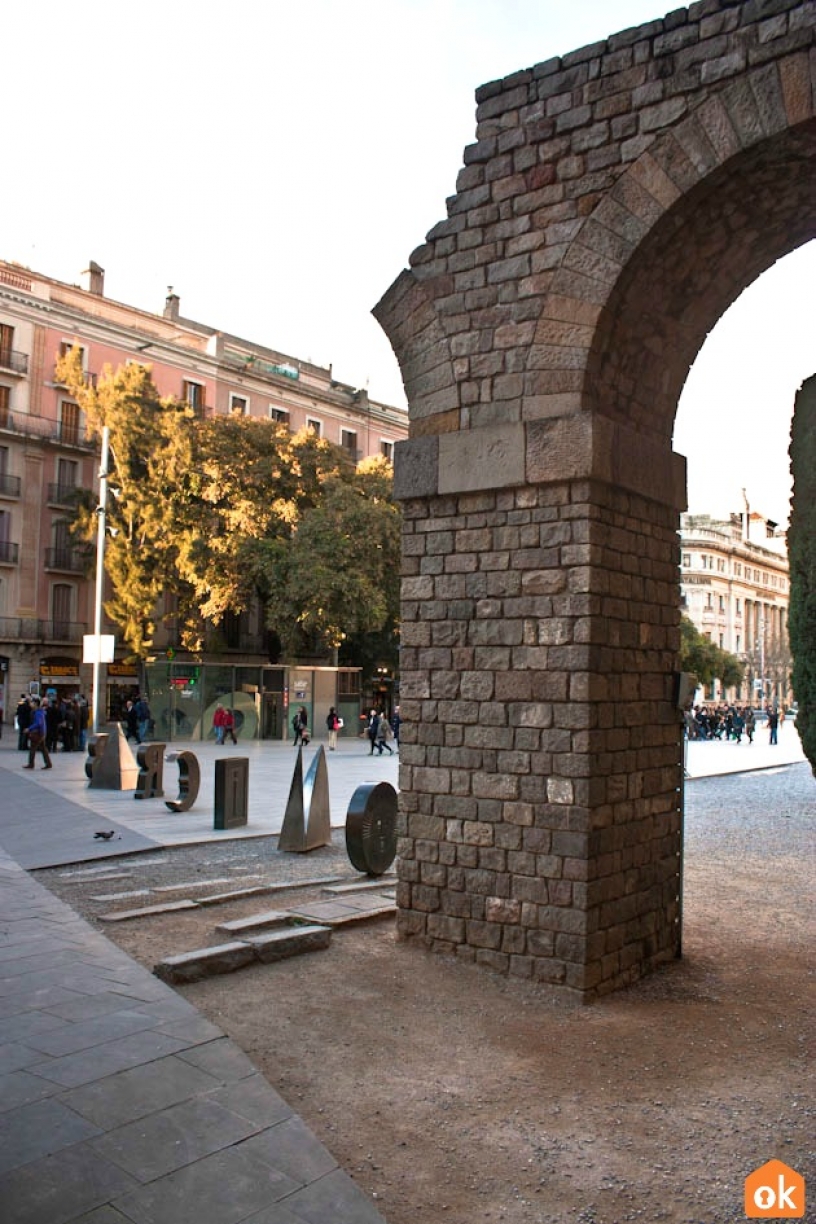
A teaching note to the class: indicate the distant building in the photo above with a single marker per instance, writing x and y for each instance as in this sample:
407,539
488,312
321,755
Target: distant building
46,598
735,589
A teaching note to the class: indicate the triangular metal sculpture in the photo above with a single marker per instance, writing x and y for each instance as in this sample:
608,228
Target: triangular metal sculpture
307,820
117,768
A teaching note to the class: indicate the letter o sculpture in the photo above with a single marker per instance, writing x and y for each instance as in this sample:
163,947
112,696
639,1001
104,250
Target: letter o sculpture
371,827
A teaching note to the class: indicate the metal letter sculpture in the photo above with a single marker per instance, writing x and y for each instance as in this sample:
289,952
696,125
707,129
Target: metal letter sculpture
371,827
189,781
117,768
307,821
150,758
96,748
231,792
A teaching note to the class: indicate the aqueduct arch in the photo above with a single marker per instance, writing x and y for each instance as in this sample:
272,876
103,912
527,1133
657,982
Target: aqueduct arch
615,202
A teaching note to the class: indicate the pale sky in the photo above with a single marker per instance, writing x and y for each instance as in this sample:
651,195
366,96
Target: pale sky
276,162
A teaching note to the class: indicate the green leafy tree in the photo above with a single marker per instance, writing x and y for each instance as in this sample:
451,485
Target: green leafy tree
225,512
699,655
802,559
149,446
337,576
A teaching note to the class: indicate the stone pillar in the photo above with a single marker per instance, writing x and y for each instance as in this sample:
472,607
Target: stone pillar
541,754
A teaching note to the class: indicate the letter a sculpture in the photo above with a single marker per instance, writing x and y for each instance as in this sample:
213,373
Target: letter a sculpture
307,821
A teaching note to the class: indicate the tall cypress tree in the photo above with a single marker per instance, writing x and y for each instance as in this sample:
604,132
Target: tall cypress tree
802,558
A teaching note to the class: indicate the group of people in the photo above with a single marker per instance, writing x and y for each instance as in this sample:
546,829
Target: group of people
50,724
730,722
381,731
223,724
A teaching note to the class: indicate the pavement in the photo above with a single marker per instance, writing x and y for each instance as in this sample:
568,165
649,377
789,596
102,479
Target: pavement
119,1102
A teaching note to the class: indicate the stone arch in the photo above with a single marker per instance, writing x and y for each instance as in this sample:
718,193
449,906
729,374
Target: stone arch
615,202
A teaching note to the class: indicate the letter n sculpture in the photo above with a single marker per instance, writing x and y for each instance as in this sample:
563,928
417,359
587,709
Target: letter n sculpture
307,820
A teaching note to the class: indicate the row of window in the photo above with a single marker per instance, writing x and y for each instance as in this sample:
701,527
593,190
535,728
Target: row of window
748,573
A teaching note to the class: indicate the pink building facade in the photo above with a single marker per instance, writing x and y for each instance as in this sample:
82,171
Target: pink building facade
46,596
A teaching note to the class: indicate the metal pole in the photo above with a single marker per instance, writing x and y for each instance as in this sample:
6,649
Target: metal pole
101,512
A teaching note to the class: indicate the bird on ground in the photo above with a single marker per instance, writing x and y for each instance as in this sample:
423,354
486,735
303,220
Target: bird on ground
105,836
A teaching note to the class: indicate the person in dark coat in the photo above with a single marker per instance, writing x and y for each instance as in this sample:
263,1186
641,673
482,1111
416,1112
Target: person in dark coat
132,722
53,719
23,716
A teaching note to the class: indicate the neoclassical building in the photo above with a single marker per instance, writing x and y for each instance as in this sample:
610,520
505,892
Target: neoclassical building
735,589
46,594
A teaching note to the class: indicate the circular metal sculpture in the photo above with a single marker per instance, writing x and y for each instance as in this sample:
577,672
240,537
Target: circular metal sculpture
371,827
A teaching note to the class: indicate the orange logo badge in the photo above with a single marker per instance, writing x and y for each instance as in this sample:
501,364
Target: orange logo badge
774,1192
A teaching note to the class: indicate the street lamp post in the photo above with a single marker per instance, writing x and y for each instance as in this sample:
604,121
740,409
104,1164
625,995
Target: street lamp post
101,513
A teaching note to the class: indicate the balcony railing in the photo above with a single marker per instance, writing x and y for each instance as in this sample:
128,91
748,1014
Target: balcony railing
68,559
9,485
30,629
10,359
46,430
9,553
62,631
62,494
88,378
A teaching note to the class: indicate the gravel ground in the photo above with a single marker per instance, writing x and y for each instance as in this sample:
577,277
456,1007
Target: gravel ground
454,1095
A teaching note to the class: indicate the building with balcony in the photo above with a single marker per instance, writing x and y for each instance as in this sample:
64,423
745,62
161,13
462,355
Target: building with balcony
46,462
735,589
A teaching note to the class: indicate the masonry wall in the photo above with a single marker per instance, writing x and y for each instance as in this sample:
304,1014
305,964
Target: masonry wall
540,825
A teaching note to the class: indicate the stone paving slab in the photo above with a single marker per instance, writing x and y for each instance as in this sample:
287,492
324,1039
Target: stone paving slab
254,922
350,909
237,894
120,1104
362,885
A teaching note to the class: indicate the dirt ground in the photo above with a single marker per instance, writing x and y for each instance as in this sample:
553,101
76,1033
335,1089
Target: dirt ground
453,1095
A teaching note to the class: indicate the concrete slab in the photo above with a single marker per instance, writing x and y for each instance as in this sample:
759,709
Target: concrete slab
147,911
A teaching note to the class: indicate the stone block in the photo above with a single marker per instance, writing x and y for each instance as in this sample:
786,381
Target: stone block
205,962
291,941
487,458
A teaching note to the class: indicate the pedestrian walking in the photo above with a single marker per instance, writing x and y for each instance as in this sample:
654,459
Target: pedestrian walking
773,725
37,736
371,730
300,724
229,725
384,734
333,725
143,717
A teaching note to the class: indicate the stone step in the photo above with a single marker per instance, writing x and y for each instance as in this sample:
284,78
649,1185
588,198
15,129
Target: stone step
228,957
255,922
273,946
